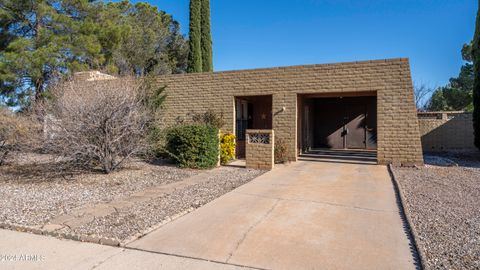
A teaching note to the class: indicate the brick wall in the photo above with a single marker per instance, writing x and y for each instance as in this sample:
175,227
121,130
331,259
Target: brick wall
398,130
446,131
259,155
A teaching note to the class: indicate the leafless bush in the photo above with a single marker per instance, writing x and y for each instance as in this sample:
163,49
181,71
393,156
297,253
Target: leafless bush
280,151
17,132
421,92
99,124
209,118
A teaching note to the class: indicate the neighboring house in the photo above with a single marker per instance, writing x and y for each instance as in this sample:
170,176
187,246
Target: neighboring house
365,105
92,75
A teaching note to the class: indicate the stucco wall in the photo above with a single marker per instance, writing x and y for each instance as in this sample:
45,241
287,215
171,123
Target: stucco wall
398,131
446,131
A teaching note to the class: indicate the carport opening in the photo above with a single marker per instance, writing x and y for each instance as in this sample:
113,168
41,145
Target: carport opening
251,112
340,126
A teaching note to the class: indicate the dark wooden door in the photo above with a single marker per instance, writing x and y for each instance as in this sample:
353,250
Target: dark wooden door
327,123
340,123
355,125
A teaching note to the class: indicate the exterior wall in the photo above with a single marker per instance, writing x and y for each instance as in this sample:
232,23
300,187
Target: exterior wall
260,155
92,75
398,131
446,131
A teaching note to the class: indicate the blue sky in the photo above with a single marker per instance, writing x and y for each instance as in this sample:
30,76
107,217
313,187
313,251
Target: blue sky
267,33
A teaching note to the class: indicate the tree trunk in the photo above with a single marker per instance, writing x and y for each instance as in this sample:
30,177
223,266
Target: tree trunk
38,82
38,90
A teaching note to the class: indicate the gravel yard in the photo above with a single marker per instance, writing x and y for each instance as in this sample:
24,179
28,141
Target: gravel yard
122,224
34,194
444,206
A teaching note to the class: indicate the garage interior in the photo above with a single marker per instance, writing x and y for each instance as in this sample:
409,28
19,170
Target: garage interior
340,127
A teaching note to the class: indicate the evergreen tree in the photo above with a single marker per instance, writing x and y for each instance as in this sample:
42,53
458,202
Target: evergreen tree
44,40
138,39
207,61
457,94
476,84
37,41
195,37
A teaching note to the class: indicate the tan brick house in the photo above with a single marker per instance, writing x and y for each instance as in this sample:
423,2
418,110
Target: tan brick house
366,105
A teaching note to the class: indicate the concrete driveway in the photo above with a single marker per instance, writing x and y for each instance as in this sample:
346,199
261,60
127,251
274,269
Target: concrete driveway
305,215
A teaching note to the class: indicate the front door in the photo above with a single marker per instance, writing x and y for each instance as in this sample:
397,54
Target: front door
355,126
251,112
243,118
340,123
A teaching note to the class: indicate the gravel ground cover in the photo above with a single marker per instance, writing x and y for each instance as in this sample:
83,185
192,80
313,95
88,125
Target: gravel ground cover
125,223
33,192
444,206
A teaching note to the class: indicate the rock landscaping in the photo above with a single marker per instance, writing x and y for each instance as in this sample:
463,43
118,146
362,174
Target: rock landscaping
109,209
443,204
33,193
140,217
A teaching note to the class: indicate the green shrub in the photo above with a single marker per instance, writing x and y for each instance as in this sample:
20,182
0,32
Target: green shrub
193,146
154,97
281,150
156,143
227,147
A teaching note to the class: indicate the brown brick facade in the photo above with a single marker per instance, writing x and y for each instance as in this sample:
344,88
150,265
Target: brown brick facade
398,130
260,155
446,131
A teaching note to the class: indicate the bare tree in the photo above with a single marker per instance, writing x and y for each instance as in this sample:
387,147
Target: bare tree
99,124
421,92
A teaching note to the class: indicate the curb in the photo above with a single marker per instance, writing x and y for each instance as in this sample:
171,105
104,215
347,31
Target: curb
71,236
413,234
92,238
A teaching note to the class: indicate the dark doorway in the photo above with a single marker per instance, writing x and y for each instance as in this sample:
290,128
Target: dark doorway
251,112
348,122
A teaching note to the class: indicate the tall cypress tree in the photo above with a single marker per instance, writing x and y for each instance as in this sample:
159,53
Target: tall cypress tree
207,61
476,84
195,37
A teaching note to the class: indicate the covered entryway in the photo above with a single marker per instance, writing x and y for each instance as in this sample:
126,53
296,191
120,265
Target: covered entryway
251,112
337,123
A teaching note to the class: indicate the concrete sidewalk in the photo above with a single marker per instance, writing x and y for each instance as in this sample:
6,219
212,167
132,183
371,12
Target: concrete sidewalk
306,215
44,252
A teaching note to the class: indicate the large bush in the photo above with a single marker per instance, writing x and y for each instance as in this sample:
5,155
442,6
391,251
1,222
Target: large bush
227,147
98,125
193,146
